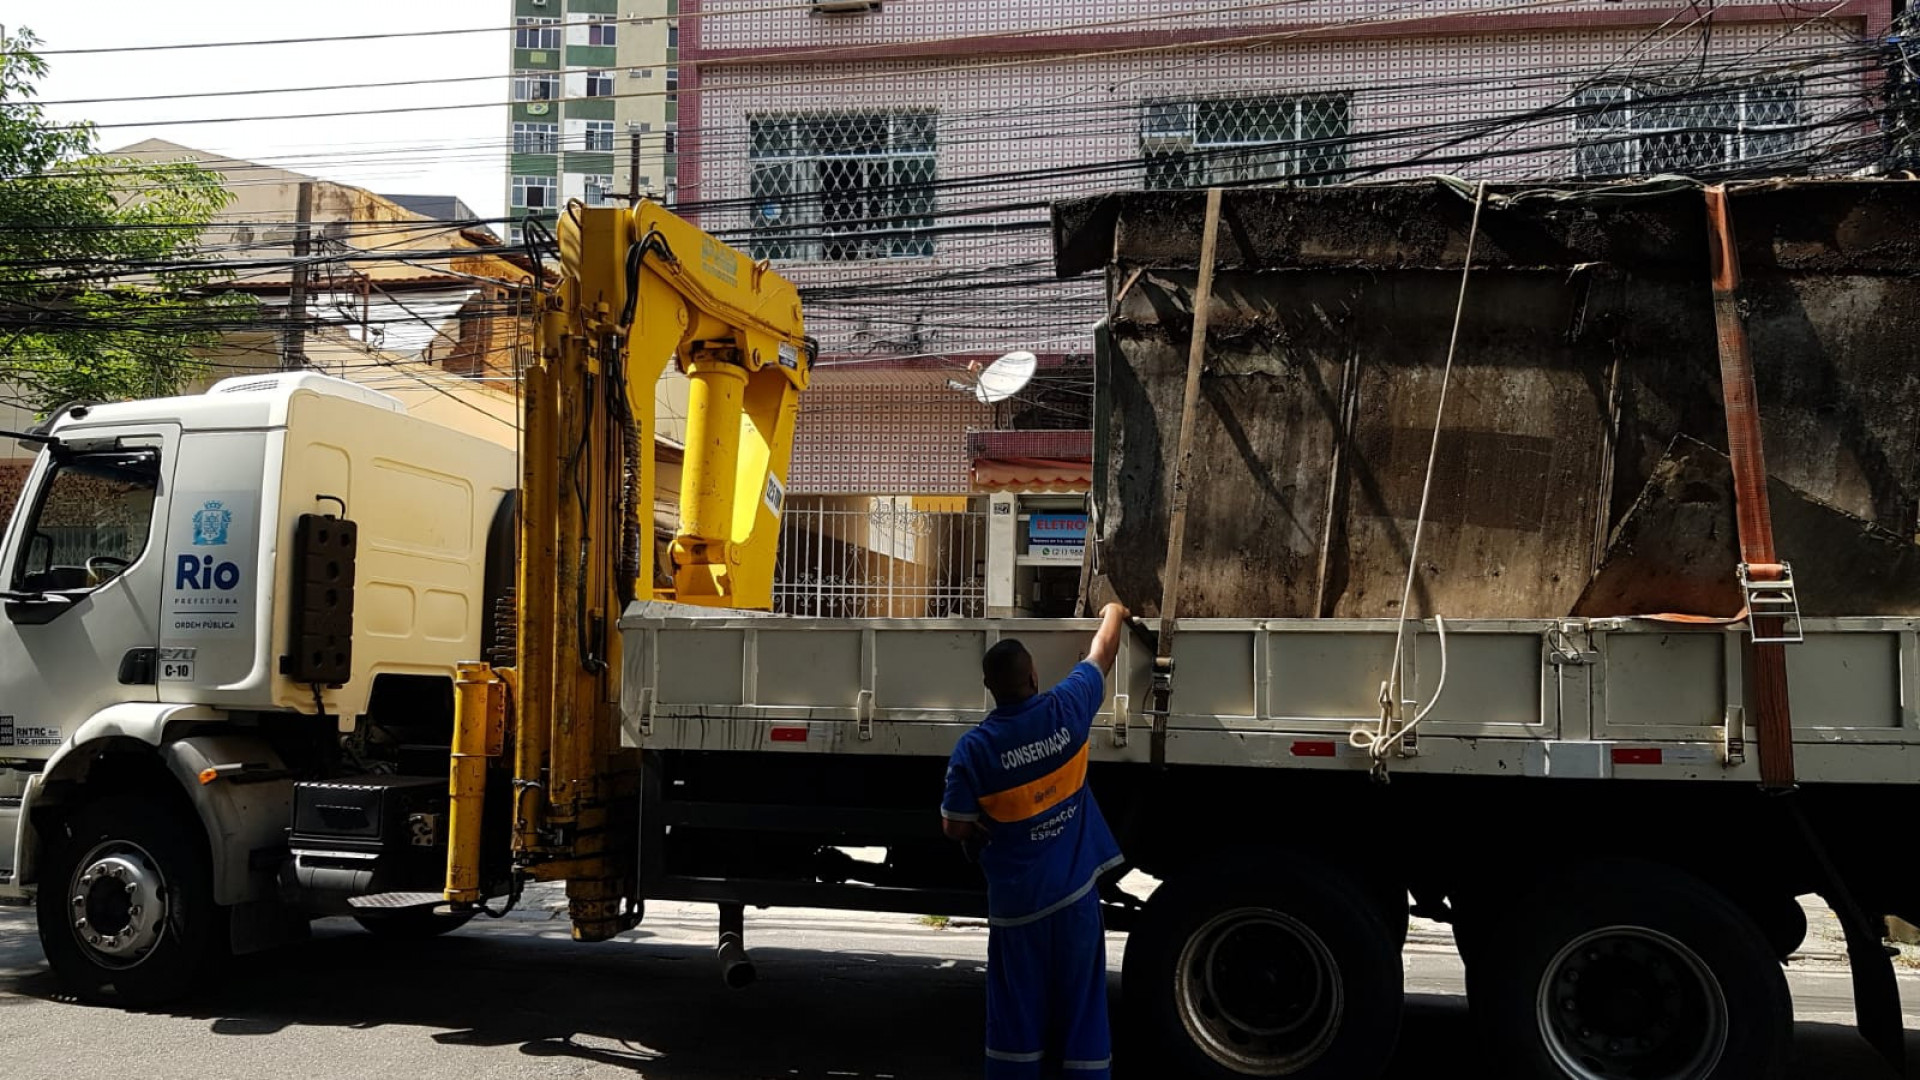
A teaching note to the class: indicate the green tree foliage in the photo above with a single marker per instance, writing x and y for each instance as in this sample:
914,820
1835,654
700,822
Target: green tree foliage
103,293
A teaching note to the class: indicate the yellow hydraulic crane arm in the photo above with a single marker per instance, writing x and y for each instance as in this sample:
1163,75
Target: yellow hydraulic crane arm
655,287
639,287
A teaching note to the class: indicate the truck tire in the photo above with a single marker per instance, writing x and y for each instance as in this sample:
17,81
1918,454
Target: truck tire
417,925
125,905
1283,969
1630,969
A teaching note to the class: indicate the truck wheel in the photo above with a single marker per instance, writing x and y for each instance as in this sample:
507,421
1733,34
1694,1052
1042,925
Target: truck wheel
1249,972
416,925
1634,970
125,904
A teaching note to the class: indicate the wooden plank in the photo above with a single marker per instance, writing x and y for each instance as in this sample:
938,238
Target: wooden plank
1184,477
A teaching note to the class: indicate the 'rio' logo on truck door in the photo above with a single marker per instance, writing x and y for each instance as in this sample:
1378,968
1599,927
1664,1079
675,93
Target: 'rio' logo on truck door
211,523
214,548
201,572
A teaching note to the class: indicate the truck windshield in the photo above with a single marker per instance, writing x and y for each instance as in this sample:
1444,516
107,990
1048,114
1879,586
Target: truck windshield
92,522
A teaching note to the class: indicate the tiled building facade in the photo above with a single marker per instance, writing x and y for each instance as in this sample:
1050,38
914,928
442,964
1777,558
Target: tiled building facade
896,159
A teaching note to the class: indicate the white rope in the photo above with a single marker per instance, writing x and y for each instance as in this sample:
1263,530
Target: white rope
1383,739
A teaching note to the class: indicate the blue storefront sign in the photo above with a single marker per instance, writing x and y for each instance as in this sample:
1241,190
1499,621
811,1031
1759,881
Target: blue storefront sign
1057,535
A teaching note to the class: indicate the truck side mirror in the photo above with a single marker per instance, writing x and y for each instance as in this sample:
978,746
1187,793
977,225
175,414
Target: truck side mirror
320,644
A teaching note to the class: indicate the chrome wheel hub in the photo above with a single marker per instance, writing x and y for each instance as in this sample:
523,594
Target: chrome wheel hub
117,900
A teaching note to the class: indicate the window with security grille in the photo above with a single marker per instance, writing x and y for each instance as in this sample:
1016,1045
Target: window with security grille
535,192
599,191
536,33
599,84
599,135
1190,144
536,138
535,86
1624,130
843,187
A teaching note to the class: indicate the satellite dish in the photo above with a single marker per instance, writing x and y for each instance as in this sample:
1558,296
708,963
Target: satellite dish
1006,377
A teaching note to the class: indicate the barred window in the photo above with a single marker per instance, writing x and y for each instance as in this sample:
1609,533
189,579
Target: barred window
536,33
1629,130
599,191
842,187
599,135
536,138
535,85
1241,140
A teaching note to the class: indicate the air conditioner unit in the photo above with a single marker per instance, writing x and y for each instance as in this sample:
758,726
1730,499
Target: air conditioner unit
843,7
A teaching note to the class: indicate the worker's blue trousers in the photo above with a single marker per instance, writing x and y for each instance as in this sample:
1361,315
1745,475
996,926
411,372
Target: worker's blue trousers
1047,996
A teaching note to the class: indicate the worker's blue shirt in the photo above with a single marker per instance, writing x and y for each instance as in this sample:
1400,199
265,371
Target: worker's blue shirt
1022,774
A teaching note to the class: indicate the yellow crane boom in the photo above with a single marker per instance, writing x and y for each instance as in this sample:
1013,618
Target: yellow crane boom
639,287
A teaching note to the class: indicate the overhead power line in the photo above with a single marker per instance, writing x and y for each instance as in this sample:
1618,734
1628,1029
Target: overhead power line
789,5
823,54
814,81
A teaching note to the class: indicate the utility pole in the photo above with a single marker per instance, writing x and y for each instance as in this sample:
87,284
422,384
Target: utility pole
293,355
633,166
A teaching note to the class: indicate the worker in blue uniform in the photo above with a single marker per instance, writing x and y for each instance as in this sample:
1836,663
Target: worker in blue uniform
1017,790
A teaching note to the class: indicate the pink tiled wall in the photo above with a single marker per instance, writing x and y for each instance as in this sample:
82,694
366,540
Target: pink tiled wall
906,435
795,25
1015,129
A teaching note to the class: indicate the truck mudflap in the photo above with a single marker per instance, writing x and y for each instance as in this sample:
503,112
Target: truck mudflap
241,790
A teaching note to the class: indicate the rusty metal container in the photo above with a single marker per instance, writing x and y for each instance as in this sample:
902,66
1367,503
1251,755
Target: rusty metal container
1586,349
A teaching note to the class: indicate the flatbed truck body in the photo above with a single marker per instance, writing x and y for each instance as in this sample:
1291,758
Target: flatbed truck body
1570,766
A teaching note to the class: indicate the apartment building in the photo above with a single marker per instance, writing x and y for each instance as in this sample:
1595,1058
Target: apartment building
593,108
905,188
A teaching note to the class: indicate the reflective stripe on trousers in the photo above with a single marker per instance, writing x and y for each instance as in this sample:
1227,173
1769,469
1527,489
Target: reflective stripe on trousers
1047,995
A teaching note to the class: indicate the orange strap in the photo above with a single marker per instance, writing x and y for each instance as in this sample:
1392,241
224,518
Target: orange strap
1767,662
1696,620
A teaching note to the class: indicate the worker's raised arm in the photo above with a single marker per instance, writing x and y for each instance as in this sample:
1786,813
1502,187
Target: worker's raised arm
1106,641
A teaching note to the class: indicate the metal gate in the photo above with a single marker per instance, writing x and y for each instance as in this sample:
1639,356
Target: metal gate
856,558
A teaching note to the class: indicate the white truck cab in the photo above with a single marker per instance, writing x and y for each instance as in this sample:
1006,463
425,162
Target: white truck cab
205,598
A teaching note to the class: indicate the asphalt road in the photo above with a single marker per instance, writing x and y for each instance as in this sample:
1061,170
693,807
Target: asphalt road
840,996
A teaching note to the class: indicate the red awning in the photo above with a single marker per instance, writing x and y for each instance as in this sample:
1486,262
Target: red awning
1046,474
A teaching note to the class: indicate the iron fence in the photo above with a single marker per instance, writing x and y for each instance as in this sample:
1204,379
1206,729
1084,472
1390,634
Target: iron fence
886,560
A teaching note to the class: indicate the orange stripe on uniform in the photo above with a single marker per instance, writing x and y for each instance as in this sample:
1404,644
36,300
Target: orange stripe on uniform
1038,796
